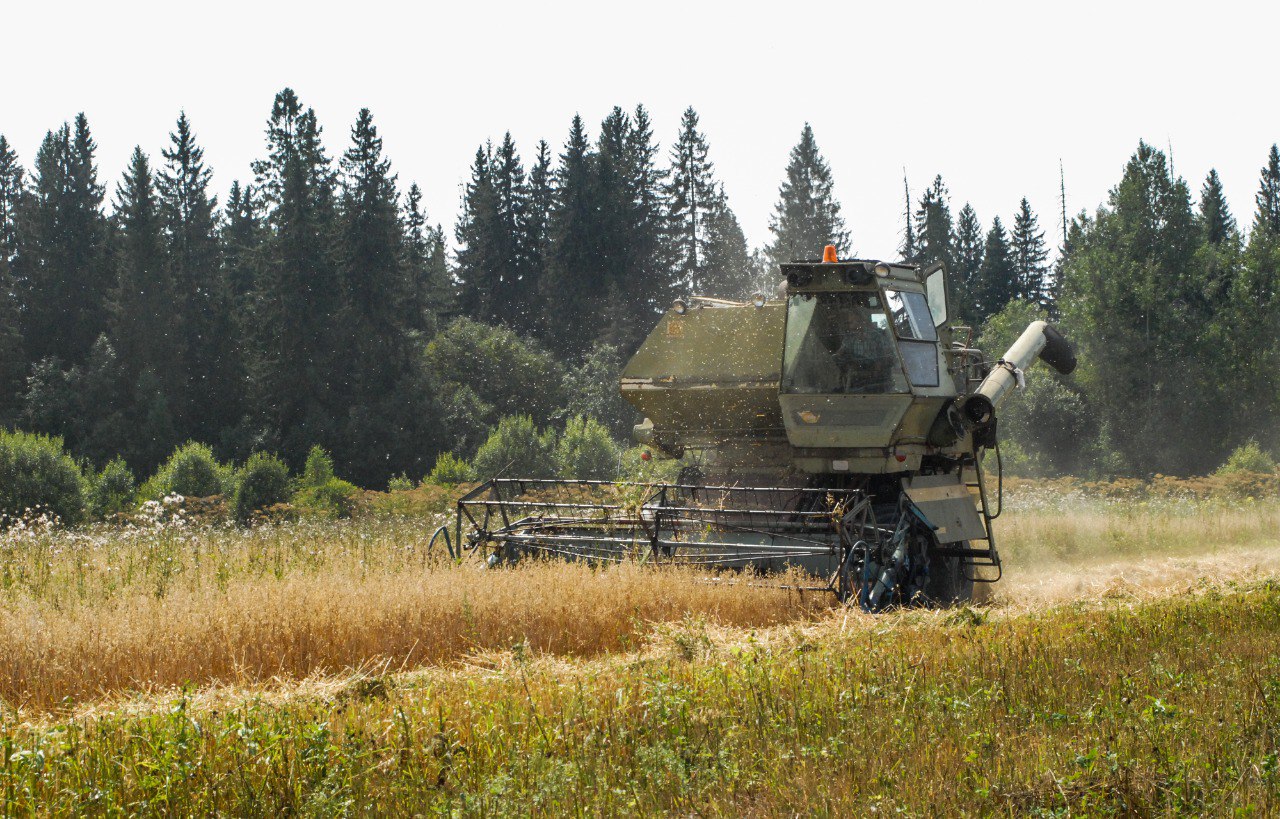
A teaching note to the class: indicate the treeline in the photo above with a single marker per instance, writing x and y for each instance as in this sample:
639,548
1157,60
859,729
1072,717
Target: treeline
317,304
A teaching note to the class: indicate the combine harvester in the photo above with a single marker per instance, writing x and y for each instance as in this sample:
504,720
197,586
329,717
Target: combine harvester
838,429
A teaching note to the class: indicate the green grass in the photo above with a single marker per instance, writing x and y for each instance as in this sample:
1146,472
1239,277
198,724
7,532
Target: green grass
1169,707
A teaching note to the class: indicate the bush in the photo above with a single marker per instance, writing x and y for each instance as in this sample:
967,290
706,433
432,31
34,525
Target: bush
516,449
450,470
264,482
191,471
319,468
400,483
484,373
335,497
36,472
636,467
1248,457
587,452
321,491
114,491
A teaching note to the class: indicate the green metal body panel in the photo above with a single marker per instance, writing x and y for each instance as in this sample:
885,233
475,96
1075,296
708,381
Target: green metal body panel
710,373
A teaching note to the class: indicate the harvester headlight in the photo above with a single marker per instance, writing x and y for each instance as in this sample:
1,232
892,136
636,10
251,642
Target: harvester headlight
758,299
881,269
680,306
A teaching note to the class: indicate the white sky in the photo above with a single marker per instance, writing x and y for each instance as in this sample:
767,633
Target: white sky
990,95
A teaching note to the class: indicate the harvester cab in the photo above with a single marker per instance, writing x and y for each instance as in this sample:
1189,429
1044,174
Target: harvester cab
838,427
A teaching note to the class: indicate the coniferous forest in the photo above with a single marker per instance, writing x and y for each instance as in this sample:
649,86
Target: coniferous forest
315,303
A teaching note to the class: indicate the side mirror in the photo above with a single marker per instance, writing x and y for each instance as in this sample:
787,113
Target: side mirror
935,289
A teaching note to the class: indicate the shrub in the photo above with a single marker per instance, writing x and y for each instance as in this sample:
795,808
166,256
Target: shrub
484,373
587,452
264,482
400,483
449,470
636,467
322,491
36,472
114,491
1248,457
191,471
319,467
335,497
516,449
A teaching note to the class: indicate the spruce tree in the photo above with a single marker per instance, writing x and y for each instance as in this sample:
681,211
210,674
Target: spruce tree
574,289
969,253
378,300
1268,198
1131,302
646,264
242,238
1215,216
386,416
807,216
13,363
691,195
537,235
428,276
478,260
995,283
210,399
514,301
146,329
934,235
704,233
1030,258
62,249
296,362
729,272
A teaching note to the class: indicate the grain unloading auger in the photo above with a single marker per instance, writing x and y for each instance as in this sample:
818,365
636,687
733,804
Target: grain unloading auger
838,429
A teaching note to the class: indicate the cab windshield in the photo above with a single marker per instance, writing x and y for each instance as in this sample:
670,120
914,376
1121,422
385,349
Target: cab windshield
839,343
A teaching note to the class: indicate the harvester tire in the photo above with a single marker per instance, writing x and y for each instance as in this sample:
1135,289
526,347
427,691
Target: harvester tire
949,581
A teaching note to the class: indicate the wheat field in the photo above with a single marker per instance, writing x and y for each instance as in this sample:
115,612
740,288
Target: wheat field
1124,665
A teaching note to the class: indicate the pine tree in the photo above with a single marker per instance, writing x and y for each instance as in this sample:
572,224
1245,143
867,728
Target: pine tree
62,252
210,400
13,363
1215,216
934,234
996,281
296,361
1268,198
969,252
146,329
807,216
1030,258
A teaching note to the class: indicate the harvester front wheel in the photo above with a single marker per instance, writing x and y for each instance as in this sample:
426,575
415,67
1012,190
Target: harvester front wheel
949,583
